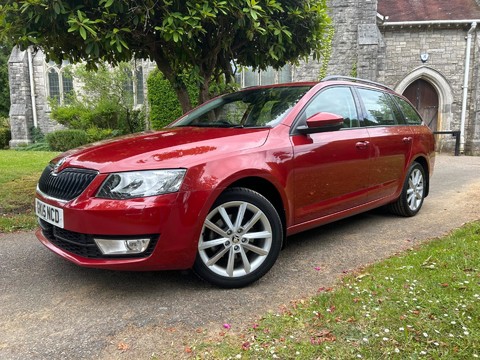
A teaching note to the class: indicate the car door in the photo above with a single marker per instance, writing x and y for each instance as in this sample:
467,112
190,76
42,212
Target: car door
390,140
331,168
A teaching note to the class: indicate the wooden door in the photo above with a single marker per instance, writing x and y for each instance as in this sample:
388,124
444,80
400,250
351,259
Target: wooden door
425,99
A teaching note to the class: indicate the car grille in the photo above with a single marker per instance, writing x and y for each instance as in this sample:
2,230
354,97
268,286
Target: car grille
83,244
67,184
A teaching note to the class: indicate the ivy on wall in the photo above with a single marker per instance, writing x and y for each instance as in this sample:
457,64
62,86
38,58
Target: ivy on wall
327,52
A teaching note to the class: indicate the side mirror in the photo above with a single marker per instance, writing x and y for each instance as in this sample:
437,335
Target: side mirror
322,122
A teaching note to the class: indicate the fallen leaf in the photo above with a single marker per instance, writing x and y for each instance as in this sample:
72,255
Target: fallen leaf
122,346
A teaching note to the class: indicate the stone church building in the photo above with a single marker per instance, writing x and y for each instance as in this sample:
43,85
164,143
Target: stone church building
427,50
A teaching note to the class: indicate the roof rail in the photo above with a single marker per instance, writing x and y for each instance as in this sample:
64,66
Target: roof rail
354,79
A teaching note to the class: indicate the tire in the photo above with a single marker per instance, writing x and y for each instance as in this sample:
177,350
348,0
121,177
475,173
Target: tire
240,241
413,192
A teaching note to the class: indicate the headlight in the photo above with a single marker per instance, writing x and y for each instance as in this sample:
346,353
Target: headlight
135,184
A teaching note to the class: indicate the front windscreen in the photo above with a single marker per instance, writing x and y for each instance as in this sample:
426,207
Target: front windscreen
260,107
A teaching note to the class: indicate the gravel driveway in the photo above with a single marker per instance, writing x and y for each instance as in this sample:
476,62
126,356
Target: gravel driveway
52,309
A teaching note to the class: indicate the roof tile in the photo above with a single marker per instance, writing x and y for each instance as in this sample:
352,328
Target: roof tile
427,10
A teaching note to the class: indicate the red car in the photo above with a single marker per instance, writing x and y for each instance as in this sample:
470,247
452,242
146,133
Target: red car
221,188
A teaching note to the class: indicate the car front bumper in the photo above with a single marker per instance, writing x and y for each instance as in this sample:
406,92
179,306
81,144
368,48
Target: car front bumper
171,226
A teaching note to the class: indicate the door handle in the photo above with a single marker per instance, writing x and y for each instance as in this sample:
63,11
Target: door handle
407,139
362,145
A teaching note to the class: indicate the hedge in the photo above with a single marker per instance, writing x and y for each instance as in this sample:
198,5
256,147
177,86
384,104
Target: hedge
5,137
63,140
164,104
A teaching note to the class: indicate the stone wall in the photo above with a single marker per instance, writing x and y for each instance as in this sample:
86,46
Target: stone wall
345,17
21,119
446,49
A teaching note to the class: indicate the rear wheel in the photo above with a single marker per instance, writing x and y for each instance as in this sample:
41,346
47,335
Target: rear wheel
240,241
413,192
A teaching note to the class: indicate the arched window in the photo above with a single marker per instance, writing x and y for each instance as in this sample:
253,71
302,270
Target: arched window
59,82
134,85
139,93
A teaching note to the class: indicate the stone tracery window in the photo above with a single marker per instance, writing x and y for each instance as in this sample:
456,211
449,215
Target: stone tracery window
59,82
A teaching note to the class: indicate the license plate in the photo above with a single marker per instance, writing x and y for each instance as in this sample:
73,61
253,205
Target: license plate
49,213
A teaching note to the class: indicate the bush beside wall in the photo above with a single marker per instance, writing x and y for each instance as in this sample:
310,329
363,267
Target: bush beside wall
5,137
63,140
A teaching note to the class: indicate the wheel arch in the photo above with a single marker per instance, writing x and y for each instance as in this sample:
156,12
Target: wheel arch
424,163
269,191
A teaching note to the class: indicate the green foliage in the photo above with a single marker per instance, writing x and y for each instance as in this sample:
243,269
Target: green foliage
104,102
353,72
4,86
39,143
96,134
327,52
4,122
63,140
201,37
164,105
5,137
5,134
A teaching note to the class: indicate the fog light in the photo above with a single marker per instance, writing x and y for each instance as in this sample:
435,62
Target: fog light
122,246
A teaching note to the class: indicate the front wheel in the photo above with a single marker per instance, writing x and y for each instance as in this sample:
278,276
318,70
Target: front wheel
240,241
413,192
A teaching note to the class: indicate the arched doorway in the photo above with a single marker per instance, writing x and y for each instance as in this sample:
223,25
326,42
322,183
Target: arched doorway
425,99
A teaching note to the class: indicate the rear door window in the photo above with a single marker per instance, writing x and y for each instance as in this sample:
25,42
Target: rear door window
409,113
380,109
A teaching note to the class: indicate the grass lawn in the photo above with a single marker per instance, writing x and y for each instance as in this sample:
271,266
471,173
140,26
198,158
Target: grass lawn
19,173
423,304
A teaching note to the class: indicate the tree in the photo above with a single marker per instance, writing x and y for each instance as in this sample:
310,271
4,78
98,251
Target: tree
203,38
4,87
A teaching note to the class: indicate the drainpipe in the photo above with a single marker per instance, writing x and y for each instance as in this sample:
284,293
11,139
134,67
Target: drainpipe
32,87
465,86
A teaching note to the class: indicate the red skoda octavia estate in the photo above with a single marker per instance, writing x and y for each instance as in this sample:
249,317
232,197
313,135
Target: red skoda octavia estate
219,189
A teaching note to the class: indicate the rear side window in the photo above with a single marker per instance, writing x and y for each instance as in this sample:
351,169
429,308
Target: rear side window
409,113
379,108
335,100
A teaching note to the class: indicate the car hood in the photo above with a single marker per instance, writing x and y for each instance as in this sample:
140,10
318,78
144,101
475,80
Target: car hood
170,148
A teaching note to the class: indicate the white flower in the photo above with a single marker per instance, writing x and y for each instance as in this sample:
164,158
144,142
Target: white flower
425,334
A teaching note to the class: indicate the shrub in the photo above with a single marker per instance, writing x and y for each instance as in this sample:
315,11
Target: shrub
95,134
40,146
39,142
5,137
164,104
62,140
105,101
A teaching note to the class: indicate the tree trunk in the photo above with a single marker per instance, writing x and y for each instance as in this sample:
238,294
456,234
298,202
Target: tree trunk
178,85
204,93
183,98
